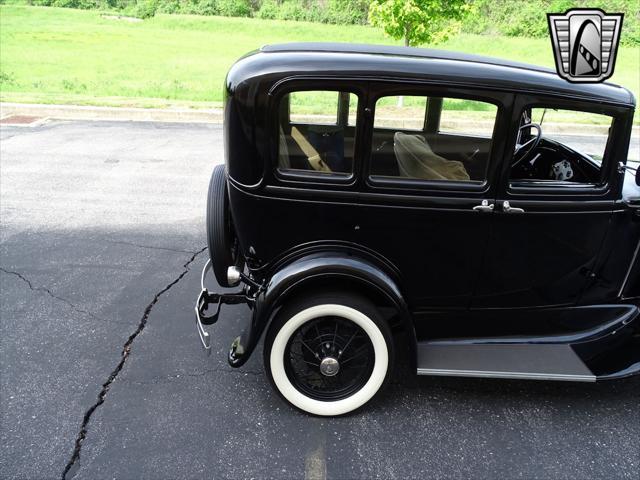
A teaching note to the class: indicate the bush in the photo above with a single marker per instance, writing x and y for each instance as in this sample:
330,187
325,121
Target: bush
268,10
190,7
169,6
320,11
206,7
529,19
145,8
351,12
234,8
291,11
83,4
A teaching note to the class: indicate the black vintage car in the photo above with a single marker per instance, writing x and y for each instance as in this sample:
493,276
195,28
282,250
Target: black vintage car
485,210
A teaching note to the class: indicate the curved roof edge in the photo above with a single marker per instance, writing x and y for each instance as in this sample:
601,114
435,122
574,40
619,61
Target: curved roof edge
398,51
414,52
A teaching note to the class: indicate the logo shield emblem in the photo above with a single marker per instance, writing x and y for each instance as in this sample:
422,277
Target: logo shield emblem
585,43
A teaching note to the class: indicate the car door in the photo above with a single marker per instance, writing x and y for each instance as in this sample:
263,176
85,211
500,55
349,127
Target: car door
430,224
552,209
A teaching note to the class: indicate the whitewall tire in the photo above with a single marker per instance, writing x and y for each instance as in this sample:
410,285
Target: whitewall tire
343,358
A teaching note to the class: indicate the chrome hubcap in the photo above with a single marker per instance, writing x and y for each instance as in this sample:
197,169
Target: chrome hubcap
329,366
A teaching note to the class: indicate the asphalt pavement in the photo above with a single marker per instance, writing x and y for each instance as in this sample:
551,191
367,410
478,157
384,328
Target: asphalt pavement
102,375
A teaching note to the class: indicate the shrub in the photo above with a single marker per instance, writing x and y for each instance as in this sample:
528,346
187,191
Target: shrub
291,11
169,6
83,4
529,19
191,7
145,8
268,10
206,7
234,8
352,12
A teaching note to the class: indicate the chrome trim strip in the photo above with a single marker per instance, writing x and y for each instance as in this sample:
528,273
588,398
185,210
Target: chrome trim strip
626,277
516,375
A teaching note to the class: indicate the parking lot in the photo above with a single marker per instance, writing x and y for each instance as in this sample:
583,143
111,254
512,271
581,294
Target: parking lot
102,374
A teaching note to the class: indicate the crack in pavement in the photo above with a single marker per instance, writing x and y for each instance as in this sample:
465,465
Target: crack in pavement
151,247
73,464
52,295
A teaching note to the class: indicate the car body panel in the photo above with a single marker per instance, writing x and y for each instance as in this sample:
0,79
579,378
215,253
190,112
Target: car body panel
422,247
320,267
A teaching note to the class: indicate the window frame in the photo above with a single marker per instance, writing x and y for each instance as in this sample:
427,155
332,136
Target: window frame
502,100
296,177
554,189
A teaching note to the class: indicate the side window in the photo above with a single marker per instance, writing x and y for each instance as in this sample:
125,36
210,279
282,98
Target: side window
316,132
467,117
409,143
403,113
560,146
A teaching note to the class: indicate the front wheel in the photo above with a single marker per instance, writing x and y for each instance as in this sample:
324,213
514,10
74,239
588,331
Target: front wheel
330,354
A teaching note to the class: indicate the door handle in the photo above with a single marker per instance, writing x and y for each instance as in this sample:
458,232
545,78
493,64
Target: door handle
484,207
507,208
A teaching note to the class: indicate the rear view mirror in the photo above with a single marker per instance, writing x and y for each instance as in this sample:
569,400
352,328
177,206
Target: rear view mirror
638,176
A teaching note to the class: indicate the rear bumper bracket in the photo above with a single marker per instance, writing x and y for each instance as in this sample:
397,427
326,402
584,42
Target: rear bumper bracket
206,299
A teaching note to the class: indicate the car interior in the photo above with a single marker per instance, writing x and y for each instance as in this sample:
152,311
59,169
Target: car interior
426,152
325,143
558,155
321,143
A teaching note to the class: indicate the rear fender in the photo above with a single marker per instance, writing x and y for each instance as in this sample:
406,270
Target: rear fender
321,271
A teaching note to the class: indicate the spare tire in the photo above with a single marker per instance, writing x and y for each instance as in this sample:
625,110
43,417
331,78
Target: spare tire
221,238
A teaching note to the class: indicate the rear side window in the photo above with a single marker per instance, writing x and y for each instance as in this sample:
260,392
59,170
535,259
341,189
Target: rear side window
316,132
434,139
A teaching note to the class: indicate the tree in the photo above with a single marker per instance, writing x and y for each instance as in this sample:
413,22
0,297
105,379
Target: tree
417,21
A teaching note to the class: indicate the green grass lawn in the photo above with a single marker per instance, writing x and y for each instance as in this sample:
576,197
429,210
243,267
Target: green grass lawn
56,55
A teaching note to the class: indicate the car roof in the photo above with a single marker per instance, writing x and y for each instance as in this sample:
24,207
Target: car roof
379,60
396,51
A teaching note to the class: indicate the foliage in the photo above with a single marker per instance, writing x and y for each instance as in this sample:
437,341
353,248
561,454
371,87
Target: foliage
417,21
234,8
79,56
145,8
351,12
528,19
84,4
513,18
268,10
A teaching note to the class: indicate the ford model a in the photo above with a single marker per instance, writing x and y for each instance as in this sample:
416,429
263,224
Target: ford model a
486,209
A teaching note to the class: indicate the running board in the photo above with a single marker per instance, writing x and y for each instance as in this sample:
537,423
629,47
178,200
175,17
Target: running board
524,361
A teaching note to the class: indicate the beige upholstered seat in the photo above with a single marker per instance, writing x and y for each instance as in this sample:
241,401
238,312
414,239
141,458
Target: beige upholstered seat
283,152
416,160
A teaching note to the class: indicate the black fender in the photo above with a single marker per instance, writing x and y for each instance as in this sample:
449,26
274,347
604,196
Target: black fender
321,270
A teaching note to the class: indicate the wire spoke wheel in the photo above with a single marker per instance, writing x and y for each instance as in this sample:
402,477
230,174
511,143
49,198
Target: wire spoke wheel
329,358
328,354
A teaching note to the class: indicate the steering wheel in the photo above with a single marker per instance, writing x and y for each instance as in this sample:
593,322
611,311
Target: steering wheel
524,150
